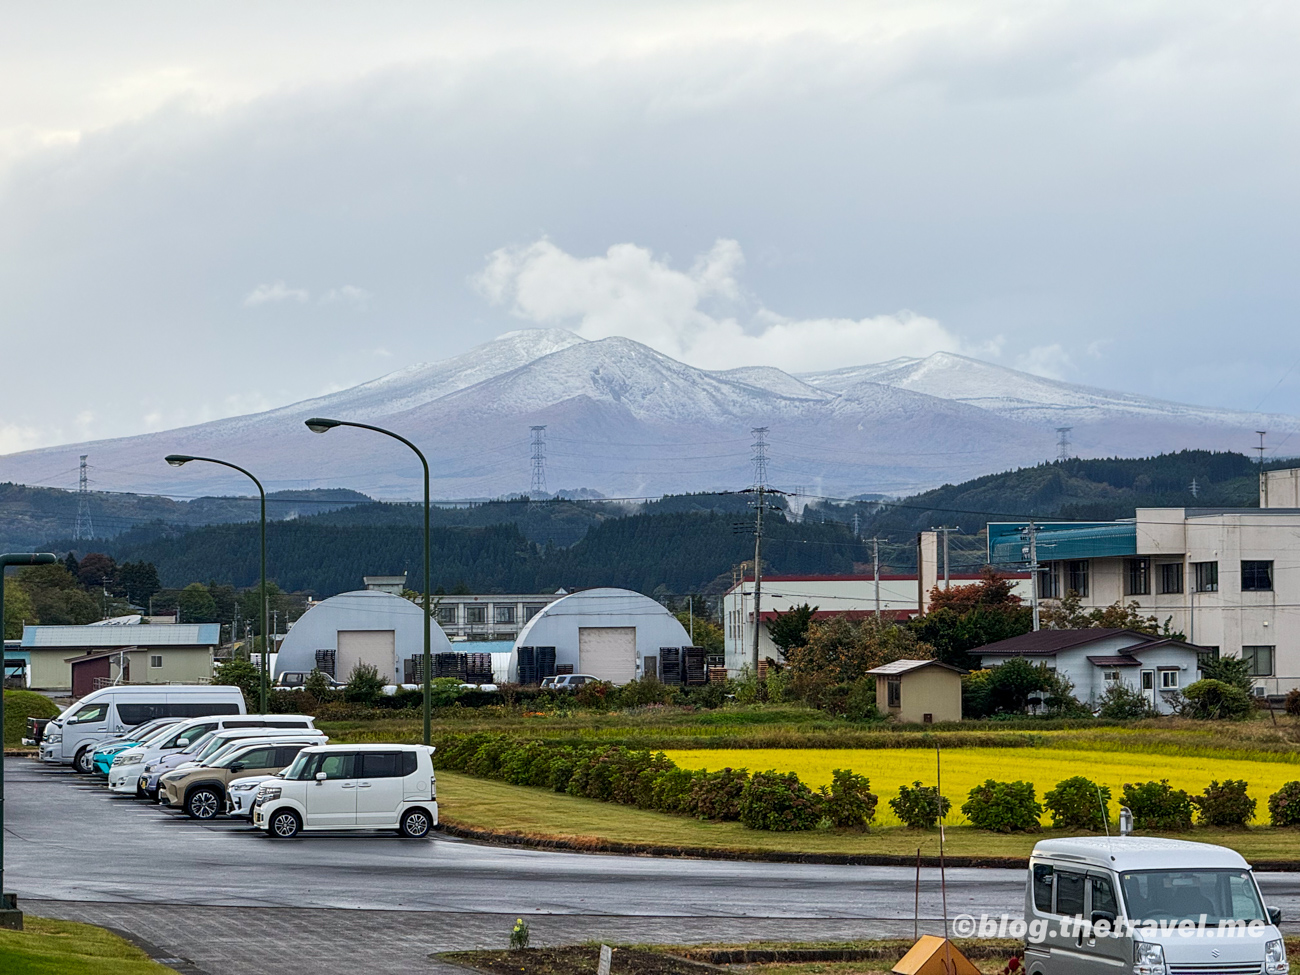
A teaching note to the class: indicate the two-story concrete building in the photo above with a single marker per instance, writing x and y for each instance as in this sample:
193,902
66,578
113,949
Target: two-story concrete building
1228,579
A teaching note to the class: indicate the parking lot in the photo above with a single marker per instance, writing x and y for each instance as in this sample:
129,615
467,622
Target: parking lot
221,894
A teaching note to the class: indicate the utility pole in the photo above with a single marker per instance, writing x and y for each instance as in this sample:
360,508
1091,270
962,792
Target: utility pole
945,531
690,604
875,572
760,484
1263,481
1032,533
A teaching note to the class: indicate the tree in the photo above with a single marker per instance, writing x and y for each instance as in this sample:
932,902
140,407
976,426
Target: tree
963,618
1005,689
708,634
138,582
838,651
196,604
244,675
97,571
994,590
790,629
1233,671
1068,613
18,610
56,597
71,564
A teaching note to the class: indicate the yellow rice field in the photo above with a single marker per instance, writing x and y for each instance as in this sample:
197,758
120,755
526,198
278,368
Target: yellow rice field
964,768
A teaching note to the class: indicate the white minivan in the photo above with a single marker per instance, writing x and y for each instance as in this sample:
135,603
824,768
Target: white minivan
349,787
70,739
1150,906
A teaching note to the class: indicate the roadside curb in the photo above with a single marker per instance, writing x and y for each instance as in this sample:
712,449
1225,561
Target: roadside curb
706,853
498,838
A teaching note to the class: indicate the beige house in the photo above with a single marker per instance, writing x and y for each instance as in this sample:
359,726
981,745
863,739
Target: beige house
150,654
919,691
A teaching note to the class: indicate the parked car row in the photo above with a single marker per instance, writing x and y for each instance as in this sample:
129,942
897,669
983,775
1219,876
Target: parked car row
161,744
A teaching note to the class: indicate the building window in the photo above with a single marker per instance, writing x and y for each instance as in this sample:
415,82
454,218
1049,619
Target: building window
1138,577
1049,583
155,661
1110,676
1171,577
532,610
895,691
1259,659
475,614
446,615
1206,656
1169,680
505,614
1207,576
1078,576
1257,576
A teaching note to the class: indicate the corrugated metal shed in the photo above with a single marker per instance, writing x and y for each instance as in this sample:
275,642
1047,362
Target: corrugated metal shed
1058,541
144,635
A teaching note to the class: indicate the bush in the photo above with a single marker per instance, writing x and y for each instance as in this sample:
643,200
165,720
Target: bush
707,696
919,806
21,705
1120,702
1284,805
244,675
1003,807
849,803
1225,804
1211,699
1292,704
1078,803
673,792
779,802
639,693
717,795
318,686
1156,806
364,684
594,696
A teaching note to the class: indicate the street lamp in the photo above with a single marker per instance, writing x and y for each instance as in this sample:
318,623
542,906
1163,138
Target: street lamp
10,916
180,460
319,424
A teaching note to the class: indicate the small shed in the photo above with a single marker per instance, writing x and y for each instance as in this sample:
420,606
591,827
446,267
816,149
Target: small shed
920,691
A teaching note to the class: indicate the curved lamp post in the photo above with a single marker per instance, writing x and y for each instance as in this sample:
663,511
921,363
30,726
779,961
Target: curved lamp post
320,424
10,916
180,460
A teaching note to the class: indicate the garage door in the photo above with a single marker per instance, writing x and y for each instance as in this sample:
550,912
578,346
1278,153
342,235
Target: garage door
369,647
607,652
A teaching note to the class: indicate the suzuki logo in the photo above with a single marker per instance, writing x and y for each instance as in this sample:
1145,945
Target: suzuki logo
1214,952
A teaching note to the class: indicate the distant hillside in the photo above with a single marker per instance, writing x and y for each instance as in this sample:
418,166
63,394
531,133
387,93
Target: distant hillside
31,516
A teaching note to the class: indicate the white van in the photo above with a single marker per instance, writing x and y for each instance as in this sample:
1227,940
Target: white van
351,787
70,738
145,762
1098,905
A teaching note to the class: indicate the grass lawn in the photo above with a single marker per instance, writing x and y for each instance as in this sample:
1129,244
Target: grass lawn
540,814
965,768
66,948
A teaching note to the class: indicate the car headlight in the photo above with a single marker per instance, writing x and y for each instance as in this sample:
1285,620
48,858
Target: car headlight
55,738
127,758
268,793
243,786
1148,959
1275,958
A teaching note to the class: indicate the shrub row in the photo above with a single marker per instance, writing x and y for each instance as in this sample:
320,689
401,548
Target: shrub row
648,780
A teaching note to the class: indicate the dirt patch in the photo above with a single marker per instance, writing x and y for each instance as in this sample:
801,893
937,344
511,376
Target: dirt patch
577,960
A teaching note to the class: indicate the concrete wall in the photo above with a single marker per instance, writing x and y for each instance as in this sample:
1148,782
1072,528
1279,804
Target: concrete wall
183,665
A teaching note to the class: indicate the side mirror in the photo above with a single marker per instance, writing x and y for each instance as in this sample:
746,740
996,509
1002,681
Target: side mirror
1107,916
321,777
1275,915
238,767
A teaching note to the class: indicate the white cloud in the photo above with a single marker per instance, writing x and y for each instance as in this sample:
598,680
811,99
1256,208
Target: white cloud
279,291
348,294
1049,361
629,292
14,437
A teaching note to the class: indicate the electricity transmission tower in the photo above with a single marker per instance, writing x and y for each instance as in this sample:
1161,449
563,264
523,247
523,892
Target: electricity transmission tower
538,487
1063,443
760,456
85,528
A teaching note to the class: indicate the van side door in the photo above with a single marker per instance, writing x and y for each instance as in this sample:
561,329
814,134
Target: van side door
379,788
332,801
1107,953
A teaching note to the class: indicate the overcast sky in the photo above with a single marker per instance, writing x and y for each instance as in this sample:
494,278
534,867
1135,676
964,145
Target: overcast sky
213,208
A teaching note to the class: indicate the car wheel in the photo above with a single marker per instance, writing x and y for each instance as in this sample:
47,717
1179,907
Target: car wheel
85,761
140,793
284,824
203,803
415,824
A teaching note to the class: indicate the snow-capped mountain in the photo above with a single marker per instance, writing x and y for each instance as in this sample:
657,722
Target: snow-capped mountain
628,421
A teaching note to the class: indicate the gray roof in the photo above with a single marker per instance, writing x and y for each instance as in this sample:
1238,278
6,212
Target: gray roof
907,666
139,635
1048,642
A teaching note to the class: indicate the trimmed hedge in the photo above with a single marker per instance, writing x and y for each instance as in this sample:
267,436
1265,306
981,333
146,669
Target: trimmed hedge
1078,803
1004,807
920,806
21,705
1284,805
1158,806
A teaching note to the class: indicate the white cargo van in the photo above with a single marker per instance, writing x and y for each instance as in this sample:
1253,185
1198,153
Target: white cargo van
1150,906
71,738
349,787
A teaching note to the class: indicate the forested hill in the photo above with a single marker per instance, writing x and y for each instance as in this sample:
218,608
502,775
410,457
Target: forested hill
674,552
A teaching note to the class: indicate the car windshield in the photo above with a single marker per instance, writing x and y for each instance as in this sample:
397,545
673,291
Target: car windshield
292,772
1186,895
216,747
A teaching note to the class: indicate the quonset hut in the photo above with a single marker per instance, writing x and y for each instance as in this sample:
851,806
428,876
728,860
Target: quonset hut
613,634
365,626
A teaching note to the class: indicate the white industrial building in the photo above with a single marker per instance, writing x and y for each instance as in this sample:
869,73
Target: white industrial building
367,626
896,597
607,633
1226,578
